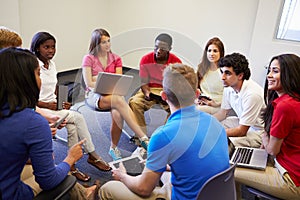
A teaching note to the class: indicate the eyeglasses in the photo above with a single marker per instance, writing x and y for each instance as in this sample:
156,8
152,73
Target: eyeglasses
161,48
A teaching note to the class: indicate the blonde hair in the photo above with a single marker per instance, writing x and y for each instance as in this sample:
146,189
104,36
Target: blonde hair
180,84
9,38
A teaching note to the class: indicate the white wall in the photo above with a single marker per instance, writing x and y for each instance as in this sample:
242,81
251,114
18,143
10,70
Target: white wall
9,14
263,45
246,26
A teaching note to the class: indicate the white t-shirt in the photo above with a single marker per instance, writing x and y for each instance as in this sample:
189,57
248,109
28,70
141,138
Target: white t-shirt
49,81
248,104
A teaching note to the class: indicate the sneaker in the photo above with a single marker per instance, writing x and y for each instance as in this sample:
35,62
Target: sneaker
140,151
144,142
115,153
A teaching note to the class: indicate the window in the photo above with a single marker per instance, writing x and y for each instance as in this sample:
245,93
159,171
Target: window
289,25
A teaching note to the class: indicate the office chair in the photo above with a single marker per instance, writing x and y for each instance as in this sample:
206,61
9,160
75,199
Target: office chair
259,194
219,187
60,192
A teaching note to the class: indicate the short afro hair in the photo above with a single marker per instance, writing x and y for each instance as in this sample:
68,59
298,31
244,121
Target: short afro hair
165,38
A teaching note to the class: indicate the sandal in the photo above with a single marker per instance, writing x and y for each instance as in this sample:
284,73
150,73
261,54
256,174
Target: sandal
80,175
99,164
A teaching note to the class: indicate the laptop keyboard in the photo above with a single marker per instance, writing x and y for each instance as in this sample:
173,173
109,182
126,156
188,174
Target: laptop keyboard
244,155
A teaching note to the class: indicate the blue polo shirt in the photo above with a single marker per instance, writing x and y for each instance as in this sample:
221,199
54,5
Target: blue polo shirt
194,144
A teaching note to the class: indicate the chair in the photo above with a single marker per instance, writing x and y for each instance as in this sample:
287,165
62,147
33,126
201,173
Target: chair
259,194
59,192
219,187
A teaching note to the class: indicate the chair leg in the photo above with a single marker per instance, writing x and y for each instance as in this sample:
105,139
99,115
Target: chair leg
56,137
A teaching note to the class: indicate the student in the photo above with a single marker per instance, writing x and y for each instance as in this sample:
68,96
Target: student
281,139
151,68
101,59
9,38
209,77
245,97
43,46
26,134
192,143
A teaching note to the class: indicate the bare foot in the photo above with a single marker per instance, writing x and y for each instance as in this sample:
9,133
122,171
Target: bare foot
90,191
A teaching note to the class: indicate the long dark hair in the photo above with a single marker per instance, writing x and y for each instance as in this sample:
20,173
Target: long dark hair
96,40
204,65
19,88
289,77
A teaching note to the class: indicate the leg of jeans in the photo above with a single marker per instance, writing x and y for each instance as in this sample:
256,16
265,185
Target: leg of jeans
117,190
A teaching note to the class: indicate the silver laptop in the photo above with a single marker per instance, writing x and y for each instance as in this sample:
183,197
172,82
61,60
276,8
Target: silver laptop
133,164
109,83
247,157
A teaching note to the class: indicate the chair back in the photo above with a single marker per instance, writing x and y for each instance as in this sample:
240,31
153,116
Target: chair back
60,192
219,187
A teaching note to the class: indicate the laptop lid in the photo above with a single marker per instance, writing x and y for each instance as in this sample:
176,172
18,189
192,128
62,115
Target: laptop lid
109,83
247,157
133,164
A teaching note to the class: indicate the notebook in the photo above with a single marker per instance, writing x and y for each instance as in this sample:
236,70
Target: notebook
247,157
133,164
117,84
62,95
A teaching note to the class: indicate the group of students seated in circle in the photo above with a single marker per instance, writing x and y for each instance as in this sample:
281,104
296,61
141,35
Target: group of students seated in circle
191,145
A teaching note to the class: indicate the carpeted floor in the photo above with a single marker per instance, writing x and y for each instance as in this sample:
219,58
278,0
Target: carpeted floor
99,126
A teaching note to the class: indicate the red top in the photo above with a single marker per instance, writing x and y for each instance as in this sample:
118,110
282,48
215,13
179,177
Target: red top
286,125
153,71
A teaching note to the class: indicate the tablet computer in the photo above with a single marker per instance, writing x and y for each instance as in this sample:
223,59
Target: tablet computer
134,164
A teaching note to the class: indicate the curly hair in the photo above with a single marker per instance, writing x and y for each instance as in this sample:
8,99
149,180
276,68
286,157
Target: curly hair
238,62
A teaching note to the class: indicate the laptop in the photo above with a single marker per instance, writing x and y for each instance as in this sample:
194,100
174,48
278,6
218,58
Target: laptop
247,157
133,164
109,83
62,95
